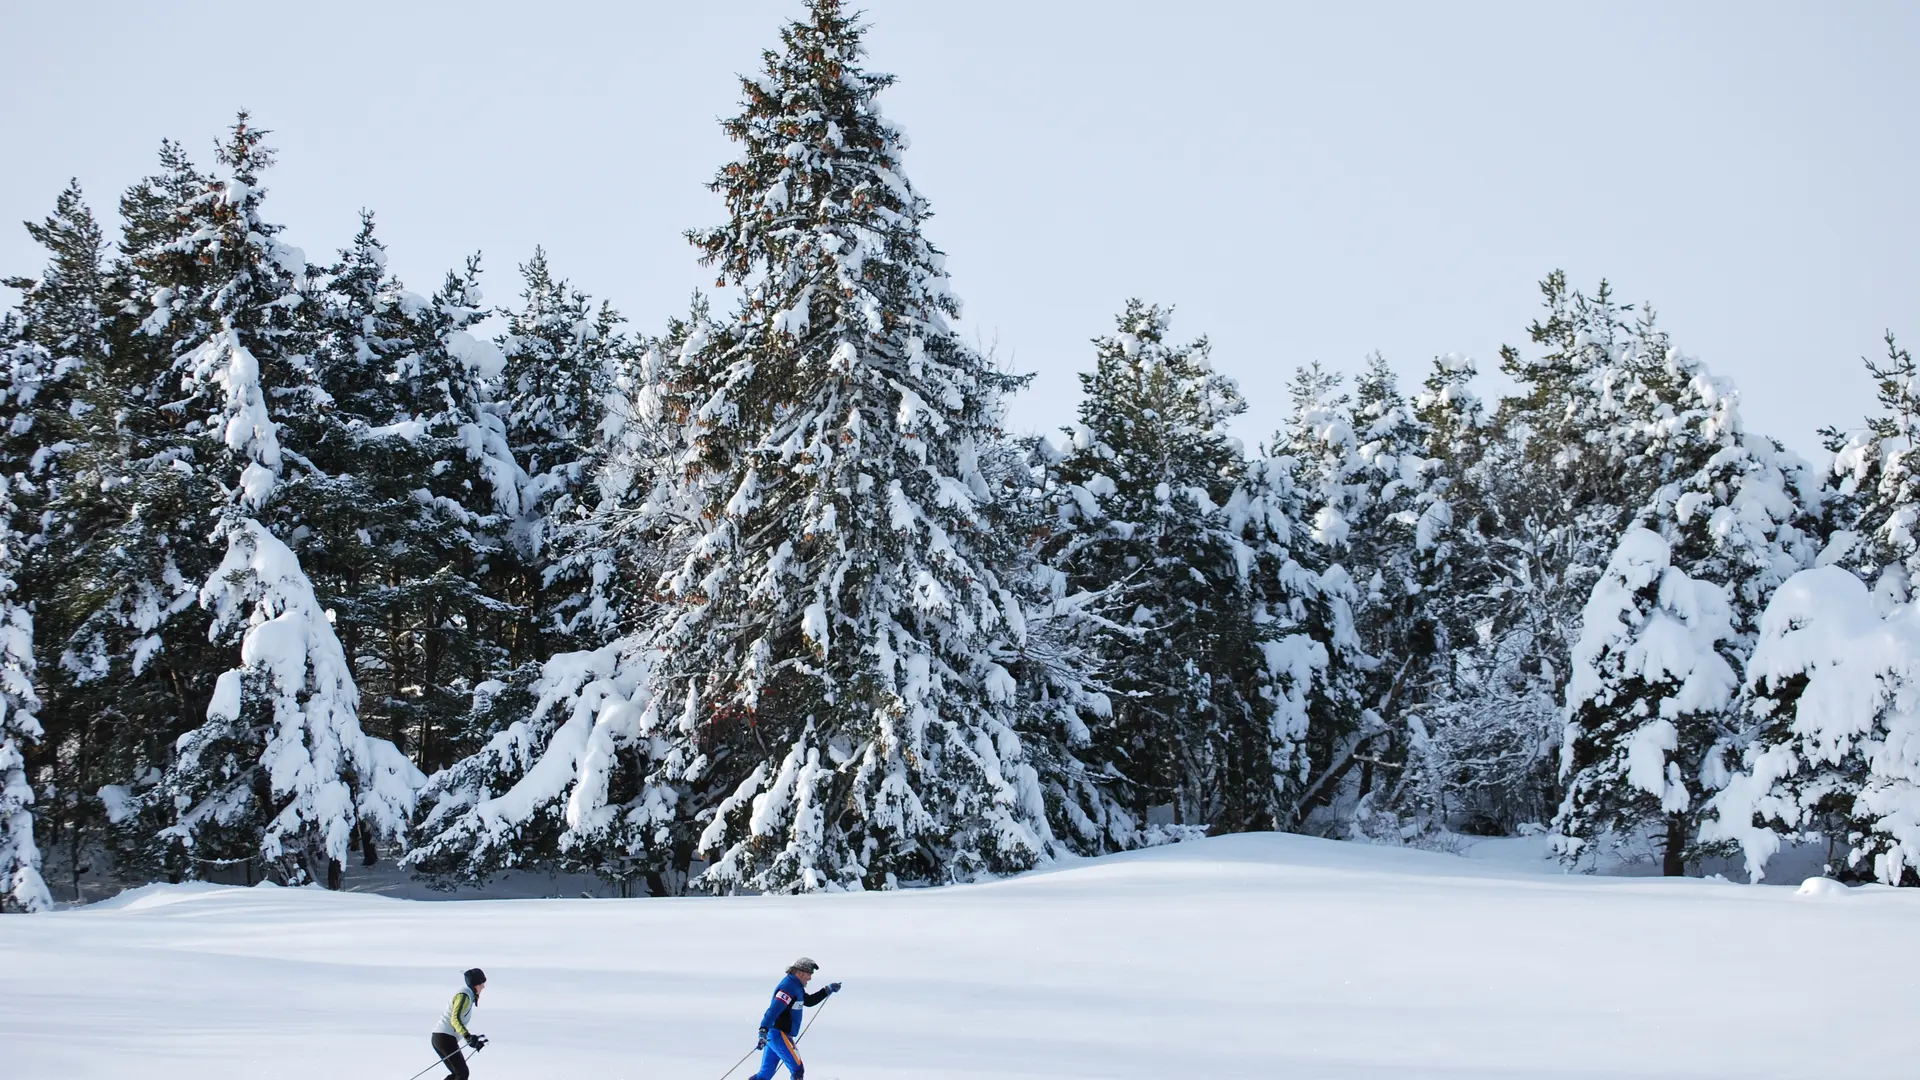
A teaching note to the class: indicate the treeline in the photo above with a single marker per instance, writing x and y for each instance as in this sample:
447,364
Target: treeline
299,567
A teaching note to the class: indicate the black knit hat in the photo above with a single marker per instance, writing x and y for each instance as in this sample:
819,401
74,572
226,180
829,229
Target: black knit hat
475,977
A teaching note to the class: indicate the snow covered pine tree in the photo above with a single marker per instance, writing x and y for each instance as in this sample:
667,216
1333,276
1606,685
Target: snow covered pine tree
560,367
1148,485
816,704
1377,505
535,792
45,354
1834,682
830,629
1651,705
1483,744
408,497
21,885
281,768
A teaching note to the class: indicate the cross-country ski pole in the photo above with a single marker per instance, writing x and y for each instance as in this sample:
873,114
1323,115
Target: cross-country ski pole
737,1064
443,1061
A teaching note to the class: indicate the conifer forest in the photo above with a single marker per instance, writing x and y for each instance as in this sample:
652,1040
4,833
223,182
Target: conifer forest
304,568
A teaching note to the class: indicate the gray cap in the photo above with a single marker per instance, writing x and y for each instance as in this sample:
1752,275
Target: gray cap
804,964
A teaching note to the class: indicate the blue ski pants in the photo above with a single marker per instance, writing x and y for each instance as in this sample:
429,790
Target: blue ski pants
780,1051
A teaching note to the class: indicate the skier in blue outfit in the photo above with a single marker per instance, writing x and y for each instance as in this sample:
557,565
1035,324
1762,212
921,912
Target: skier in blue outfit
780,1027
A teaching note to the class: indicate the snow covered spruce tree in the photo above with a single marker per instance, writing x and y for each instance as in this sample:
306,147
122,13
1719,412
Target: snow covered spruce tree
1055,655
537,791
22,887
452,637
1483,742
46,354
1836,750
133,664
1398,552
561,357
59,335
1651,704
407,504
829,630
606,559
816,703
280,769
1290,773
1540,494
1151,502
337,512
1376,499
1835,681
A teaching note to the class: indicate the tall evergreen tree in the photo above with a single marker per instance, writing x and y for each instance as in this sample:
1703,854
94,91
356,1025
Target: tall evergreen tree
59,340
21,885
1284,776
1834,755
1150,474
1058,658
280,768
1484,742
1542,491
447,607
135,663
60,327
405,496
1651,711
818,706
520,799
1570,497
830,629
561,359
338,510
1379,506
605,558
1400,552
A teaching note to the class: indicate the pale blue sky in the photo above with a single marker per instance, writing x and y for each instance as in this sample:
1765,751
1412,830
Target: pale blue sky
1303,182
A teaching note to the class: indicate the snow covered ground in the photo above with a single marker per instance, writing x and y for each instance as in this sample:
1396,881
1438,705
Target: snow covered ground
1247,956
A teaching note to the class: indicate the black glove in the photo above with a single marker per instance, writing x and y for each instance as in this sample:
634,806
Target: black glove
833,988
762,1044
478,1042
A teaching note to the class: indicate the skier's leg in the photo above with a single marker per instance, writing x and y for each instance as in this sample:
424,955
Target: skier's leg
447,1049
790,1054
769,1063
780,1051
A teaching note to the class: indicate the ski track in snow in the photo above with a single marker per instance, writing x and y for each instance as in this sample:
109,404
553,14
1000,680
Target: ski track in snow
1246,956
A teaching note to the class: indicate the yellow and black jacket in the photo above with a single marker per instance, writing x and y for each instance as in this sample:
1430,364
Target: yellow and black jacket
454,1022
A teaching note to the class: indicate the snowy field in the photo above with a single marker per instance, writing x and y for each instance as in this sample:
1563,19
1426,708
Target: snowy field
1250,956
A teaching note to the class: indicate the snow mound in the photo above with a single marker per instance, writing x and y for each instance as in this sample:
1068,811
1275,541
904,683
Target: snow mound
1821,888
158,895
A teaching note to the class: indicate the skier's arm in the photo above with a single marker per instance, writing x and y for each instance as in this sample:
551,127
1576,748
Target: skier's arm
819,995
453,1014
781,1003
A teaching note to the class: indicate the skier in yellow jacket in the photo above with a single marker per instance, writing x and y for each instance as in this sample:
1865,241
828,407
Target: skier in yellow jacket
453,1026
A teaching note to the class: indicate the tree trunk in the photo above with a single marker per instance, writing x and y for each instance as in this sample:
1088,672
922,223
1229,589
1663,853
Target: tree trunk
1675,864
333,874
76,836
